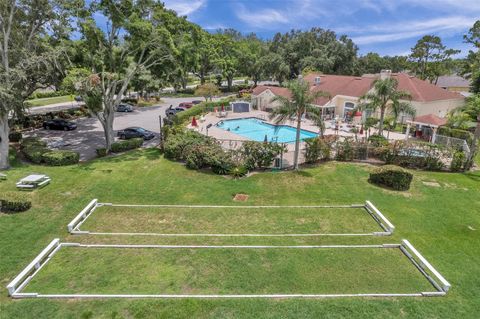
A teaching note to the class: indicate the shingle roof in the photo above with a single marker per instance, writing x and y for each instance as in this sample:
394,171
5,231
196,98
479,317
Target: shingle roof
431,119
452,81
274,89
354,86
339,85
423,91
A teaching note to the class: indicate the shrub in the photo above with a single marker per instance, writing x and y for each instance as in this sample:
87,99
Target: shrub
42,95
15,137
14,202
458,161
177,143
101,152
130,100
201,155
60,158
122,146
222,164
34,153
317,149
238,171
377,140
345,150
258,155
391,176
32,141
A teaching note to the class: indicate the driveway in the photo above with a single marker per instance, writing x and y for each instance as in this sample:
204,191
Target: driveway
89,133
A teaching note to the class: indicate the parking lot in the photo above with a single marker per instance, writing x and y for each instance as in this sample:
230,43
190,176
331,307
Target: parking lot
89,133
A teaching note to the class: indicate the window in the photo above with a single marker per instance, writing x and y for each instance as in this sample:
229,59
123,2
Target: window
348,110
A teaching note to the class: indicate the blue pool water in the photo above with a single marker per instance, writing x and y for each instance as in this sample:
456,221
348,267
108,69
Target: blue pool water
256,129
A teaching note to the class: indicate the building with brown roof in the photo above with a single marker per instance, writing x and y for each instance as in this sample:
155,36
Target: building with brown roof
345,92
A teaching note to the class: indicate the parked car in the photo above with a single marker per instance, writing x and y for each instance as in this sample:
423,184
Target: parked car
124,107
174,110
59,124
195,102
186,105
132,132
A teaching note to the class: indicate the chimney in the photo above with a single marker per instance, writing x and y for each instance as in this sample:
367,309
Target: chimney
385,74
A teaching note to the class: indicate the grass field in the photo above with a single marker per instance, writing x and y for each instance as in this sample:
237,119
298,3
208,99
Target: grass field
50,100
228,271
270,221
440,218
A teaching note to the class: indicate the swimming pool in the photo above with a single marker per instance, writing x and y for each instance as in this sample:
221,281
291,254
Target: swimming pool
256,130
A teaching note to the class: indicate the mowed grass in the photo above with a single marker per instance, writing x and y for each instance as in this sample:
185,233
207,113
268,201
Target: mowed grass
50,100
231,220
78,270
441,221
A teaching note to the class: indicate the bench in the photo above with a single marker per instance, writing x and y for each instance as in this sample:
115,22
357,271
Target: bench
44,183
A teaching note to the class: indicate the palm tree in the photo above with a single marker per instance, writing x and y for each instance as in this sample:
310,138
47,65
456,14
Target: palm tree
472,108
384,94
299,104
399,108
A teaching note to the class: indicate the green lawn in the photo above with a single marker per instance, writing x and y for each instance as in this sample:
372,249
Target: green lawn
441,221
108,219
50,100
228,271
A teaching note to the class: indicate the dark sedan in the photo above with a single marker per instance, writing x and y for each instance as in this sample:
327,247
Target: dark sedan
132,132
174,110
59,124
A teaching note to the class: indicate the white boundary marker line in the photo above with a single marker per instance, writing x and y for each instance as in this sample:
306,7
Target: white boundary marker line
380,219
389,226
15,290
445,285
13,286
82,215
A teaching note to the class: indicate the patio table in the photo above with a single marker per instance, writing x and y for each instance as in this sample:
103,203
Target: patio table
33,181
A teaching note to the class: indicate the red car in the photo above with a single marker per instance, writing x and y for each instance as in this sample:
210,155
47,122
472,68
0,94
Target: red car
186,105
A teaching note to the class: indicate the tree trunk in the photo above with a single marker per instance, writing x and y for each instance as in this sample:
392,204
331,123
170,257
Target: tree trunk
380,125
473,147
229,83
297,142
4,131
184,83
106,119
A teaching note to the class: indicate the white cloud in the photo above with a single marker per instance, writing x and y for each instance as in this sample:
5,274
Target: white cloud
185,7
263,18
410,29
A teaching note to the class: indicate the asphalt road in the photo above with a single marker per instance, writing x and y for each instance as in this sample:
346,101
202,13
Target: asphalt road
89,133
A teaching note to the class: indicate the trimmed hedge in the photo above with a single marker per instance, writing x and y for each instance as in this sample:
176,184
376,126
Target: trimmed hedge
15,137
14,202
42,95
35,150
101,152
60,158
391,176
34,153
122,146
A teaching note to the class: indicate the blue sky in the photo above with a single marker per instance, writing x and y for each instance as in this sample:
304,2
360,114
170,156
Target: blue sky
389,27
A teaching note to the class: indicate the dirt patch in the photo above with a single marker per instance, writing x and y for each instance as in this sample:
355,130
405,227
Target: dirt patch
431,184
240,197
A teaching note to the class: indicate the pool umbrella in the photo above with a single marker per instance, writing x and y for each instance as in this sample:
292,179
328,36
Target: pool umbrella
194,122
361,130
223,108
265,140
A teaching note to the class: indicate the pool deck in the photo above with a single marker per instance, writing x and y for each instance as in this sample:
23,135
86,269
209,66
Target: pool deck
219,133
231,140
